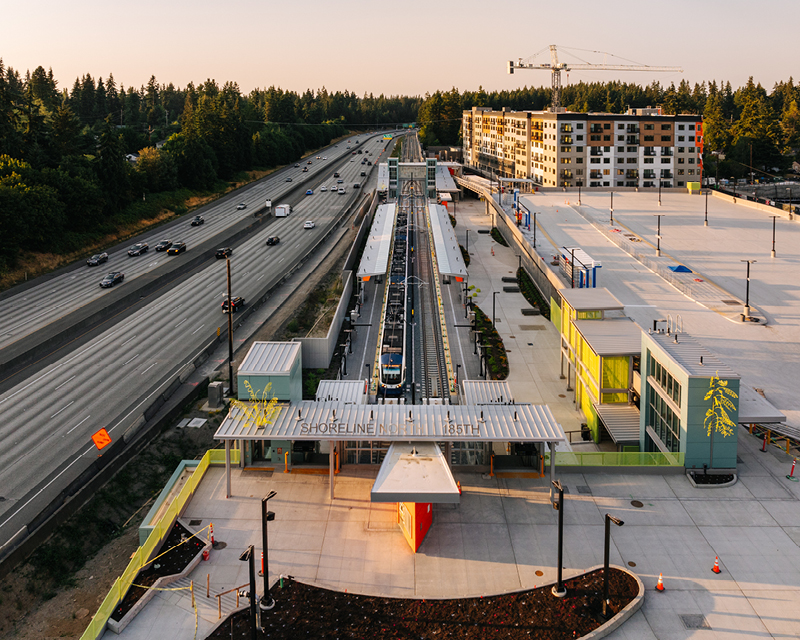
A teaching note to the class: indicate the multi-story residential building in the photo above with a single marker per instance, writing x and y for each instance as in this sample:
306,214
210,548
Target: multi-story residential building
641,148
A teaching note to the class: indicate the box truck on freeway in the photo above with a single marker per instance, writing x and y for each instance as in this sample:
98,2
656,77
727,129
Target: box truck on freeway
283,210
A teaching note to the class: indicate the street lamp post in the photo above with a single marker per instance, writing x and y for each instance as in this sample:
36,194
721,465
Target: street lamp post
458,366
612,207
494,297
659,192
536,213
267,602
579,195
369,375
619,523
658,235
705,223
559,591
747,290
230,330
248,555
467,241
733,182
773,234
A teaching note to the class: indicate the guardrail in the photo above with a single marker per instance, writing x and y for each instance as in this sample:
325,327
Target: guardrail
160,531
616,459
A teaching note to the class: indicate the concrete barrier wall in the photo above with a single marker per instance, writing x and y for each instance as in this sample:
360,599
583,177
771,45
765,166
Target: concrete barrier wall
783,212
318,352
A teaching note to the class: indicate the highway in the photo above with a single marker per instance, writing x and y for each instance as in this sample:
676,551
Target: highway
111,380
24,312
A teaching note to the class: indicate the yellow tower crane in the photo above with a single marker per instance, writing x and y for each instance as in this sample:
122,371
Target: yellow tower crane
557,67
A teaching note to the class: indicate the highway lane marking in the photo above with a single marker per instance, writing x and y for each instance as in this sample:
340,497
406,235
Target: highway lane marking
180,323
61,409
148,368
31,383
77,425
198,329
63,383
38,493
131,360
127,341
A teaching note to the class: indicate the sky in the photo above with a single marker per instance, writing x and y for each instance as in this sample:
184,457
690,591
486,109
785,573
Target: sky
398,48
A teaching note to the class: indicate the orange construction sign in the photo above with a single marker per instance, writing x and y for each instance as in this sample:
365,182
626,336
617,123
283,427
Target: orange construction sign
101,439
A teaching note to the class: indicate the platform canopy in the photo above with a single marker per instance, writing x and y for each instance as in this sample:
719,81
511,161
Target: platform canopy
383,177
621,421
415,472
480,392
375,259
448,253
753,407
345,391
310,420
444,180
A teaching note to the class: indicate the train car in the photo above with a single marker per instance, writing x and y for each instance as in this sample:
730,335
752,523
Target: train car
392,378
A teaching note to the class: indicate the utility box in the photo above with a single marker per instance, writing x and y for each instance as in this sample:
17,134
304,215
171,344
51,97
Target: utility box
215,395
415,519
275,363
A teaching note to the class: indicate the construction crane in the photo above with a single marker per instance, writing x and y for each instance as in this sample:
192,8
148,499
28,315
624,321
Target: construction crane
557,67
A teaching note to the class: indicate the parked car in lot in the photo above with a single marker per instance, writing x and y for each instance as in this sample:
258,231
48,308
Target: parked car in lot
273,240
111,279
237,302
176,248
163,245
97,259
308,224
241,206
223,252
138,249
197,221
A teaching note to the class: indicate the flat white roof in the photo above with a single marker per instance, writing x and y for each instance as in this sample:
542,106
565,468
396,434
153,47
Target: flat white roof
611,337
753,407
383,177
270,358
309,420
686,352
448,254
599,299
444,179
375,259
415,472
480,392
345,391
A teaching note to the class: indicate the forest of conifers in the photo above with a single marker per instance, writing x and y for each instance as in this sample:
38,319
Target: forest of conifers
65,181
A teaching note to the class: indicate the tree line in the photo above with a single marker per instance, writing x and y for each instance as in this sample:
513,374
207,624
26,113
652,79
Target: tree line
64,172
735,121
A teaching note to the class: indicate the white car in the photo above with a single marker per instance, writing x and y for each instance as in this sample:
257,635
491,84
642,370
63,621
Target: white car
341,190
241,206
308,224
323,188
324,157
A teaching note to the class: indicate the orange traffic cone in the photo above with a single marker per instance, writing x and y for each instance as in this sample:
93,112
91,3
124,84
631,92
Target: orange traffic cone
211,532
660,585
716,568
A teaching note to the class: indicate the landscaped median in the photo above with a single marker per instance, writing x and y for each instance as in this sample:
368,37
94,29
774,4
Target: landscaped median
145,553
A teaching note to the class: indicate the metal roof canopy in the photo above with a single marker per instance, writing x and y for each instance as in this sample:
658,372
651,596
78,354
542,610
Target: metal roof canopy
345,391
686,352
581,256
415,472
310,420
375,260
599,299
444,179
481,392
448,254
611,337
621,421
383,177
265,358
753,407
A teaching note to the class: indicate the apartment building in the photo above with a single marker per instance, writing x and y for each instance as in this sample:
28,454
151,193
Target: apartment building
641,148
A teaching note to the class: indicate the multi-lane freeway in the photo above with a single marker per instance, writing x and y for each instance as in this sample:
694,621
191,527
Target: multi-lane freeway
109,381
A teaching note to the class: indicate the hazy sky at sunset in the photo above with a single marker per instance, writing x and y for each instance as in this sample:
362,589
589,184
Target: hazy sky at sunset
410,47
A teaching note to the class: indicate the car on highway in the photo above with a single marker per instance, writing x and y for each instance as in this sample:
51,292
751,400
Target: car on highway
369,164
176,248
363,174
309,162
323,188
354,153
223,252
341,191
356,185
288,180
336,175
308,224
340,181
237,302
111,279
197,221
324,157
305,169
297,164
272,241
163,245
138,249
241,205
309,192
97,259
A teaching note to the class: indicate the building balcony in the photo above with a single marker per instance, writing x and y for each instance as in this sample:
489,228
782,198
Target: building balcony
666,174
566,128
596,175
633,128
566,139
632,140
596,151
648,184
632,174
566,174
649,151
649,175
666,152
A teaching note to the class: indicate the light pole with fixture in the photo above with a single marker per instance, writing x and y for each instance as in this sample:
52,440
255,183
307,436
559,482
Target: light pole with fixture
619,523
773,234
266,603
559,591
746,315
658,235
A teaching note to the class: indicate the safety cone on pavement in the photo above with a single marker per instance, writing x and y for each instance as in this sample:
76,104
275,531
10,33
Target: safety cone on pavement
660,585
211,533
716,568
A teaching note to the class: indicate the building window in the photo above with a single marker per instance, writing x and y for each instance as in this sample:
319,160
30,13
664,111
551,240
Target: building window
607,149
665,381
620,126
606,125
691,172
606,138
631,149
666,138
566,160
579,149
666,127
579,138
648,160
632,160
691,160
664,422
579,160
595,160
620,149
680,172
620,172
594,138
680,138
666,160
648,127
579,125
606,172
680,184
606,160
649,138
620,138
691,138
691,149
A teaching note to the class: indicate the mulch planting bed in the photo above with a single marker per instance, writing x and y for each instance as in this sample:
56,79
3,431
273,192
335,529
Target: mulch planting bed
303,611
712,478
172,562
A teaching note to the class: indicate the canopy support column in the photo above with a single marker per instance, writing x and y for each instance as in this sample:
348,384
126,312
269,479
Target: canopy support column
227,468
552,446
331,455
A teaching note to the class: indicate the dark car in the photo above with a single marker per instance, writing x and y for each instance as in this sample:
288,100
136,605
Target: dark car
336,175
138,249
297,165
273,240
176,248
363,174
111,279
288,179
237,302
197,221
97,259
356,185
163,245
369,164
309,162
223,252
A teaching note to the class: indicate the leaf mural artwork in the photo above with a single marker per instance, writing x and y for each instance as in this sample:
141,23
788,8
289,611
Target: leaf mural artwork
257,412
717,418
